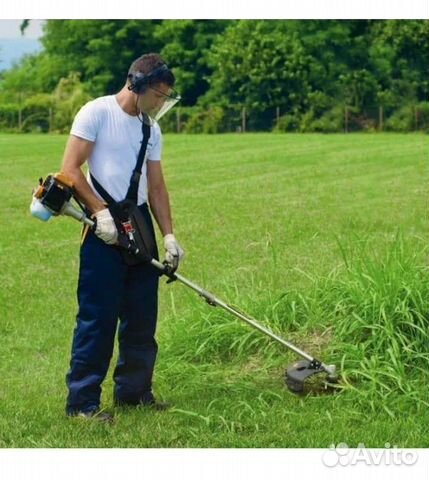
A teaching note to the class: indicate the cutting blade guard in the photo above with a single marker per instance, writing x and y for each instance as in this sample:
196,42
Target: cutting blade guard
297,373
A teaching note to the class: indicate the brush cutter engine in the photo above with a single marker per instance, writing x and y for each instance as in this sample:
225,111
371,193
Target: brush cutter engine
54,193
54,196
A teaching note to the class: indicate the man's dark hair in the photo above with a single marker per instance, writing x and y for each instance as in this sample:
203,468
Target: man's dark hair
148,63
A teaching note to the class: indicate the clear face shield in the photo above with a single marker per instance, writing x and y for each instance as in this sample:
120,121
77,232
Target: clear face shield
165,104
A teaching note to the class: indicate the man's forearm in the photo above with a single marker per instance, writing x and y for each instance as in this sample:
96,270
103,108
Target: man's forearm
160,207
83,190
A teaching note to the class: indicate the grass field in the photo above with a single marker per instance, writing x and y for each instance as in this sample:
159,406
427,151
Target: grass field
321,237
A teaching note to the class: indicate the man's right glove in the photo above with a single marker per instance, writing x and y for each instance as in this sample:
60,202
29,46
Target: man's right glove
106,228
173,251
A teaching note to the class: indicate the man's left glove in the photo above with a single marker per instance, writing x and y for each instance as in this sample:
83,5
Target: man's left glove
173,251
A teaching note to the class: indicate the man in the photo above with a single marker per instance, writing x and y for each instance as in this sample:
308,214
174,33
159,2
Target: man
107,133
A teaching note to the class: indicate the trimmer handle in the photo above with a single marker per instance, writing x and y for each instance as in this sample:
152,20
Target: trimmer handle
92,224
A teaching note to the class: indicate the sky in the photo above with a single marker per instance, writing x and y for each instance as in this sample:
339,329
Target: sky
10,29
13,45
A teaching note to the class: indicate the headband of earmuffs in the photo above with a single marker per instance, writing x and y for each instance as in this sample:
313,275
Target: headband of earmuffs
139,81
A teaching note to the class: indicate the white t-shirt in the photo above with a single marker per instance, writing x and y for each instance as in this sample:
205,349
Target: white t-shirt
117,136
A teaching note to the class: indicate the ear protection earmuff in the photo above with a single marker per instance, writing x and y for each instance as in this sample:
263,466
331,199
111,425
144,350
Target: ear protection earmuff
139,81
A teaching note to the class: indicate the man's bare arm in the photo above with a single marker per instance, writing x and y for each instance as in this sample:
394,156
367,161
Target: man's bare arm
158,197
76,154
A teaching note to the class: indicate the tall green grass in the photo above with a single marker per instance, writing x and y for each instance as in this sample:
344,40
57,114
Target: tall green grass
370,314
382,310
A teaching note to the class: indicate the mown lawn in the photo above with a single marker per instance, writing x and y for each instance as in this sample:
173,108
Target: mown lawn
321,237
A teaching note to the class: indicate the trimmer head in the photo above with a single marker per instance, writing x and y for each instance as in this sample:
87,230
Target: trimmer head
297,373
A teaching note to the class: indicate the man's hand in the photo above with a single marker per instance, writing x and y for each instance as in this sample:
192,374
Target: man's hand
173,251
106,228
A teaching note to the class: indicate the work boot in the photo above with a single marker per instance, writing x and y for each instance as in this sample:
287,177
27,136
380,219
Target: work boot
95,414
156,405
147,400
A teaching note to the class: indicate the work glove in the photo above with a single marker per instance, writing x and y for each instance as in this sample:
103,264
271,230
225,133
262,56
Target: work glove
173,251
105,227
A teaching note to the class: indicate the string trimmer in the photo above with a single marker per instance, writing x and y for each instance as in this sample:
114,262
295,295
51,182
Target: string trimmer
53,197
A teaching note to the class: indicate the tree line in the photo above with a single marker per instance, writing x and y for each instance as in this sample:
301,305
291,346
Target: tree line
286,75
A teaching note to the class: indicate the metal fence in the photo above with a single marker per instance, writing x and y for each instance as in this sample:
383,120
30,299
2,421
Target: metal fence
342,119
239,119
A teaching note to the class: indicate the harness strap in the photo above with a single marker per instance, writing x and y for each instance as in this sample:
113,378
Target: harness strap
135,177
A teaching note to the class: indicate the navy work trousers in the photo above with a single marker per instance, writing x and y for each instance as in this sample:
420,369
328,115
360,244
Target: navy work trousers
109,290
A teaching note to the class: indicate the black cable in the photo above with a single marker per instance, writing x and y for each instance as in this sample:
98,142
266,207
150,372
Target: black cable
138,110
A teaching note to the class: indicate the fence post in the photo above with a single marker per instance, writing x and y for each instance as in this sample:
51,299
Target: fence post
277,115
50,119
19,119
20,111
380,118
416,119
243,120
178,120
346,119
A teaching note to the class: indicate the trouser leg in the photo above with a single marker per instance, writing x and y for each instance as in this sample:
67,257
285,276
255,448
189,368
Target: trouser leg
136,336
100,293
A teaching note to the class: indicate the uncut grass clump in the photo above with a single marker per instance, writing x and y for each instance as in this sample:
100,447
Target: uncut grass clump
375,309
381,307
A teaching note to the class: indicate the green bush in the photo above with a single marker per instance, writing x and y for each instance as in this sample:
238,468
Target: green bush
69,96
306,124
9,113
178,114
330,121
37,113
205,121
320,102
288,123
194,123
213,120
409,118
333,120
